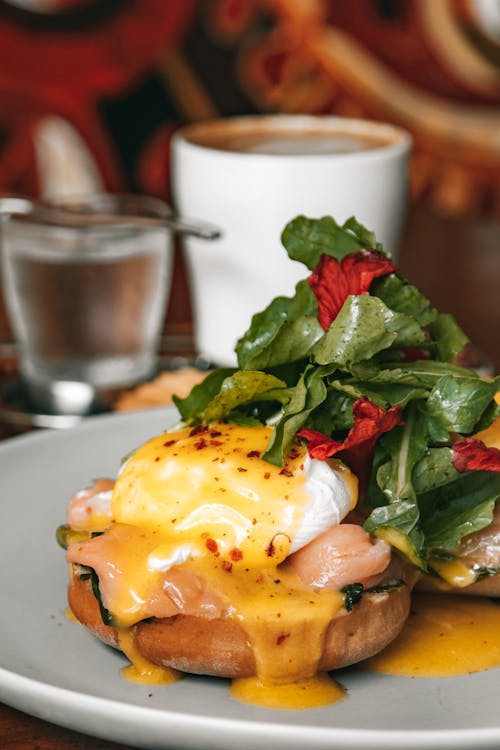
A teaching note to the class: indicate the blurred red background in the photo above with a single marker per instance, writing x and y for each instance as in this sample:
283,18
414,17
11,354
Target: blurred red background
91,91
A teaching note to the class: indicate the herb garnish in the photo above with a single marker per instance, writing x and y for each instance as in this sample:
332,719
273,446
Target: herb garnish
358,343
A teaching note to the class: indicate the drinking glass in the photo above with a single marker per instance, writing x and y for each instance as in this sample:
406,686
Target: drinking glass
86,297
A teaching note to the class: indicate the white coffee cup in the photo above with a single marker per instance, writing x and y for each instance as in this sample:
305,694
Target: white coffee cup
251,176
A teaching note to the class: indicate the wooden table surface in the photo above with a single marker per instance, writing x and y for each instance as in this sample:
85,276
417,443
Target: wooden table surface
457,264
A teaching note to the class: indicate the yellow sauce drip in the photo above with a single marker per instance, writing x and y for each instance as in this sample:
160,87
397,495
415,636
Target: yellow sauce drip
455,573
491,436
70,615
141,670
315,692
444,636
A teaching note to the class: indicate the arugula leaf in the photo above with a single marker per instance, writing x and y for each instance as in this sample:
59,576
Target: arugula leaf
449,337
389,394
294,374
363,327
459,508
434,470
406,446
240,388
491,413
309,393
334,414
458,404
402,297
284,332
306,240
192,407
399,525
398,519
421,373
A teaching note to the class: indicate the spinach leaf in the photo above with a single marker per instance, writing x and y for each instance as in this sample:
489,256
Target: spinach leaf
353,593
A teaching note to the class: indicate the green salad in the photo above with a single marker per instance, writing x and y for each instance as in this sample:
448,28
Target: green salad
360,365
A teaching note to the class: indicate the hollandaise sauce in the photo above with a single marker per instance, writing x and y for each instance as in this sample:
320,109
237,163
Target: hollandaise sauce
314,692
140,669
445,635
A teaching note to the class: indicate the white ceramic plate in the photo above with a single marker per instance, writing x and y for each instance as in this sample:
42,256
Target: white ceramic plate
53,669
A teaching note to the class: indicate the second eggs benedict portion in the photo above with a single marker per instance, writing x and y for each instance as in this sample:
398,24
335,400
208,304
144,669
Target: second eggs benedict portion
209,559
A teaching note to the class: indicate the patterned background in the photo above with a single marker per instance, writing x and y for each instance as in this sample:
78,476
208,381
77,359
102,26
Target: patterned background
91,91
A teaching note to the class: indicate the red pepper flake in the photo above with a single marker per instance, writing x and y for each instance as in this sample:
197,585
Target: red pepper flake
253,454
200,444
198,430
281,638
215,433
169,443
267,475
259,579
212,546
470,454
370,421
286,473
240,468
271,550
236,554
216,442
332,282
157,458
227,566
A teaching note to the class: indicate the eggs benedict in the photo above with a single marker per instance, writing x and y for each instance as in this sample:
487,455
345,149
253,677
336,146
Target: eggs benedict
205,558
236,545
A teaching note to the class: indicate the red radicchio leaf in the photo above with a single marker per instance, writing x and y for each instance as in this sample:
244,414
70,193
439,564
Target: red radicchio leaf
329,285
473,455
363,267
370,421
413,353
332,282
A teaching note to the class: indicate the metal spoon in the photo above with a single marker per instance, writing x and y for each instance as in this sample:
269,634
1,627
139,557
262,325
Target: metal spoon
54,214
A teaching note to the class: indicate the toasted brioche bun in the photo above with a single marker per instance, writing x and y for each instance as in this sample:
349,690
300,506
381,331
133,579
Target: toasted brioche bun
220,647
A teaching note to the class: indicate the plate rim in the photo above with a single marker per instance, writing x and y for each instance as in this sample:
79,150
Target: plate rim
31,695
